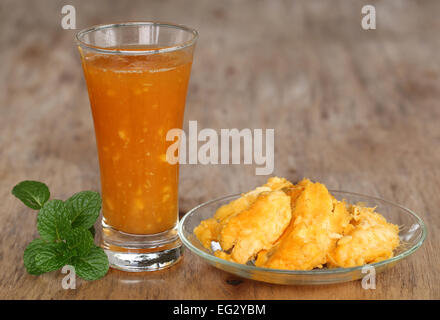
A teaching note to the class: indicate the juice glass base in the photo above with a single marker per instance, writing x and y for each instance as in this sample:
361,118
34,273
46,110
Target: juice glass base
140,253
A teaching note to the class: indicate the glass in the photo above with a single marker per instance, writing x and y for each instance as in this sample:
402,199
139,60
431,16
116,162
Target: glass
412,234
137,77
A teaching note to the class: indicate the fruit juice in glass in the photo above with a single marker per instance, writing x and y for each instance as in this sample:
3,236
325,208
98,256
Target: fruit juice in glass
137,76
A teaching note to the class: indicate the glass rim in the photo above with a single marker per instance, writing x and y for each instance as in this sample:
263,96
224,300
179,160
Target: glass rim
252,268
100,49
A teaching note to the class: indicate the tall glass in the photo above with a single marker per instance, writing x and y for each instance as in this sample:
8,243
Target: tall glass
137,76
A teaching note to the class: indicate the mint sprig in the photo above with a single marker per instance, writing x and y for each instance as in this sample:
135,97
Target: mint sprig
66,231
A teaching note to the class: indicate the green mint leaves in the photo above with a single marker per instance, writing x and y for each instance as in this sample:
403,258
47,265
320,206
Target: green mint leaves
91,266
30,253
33,193
83,208
51,257
66,231
53,222
80,242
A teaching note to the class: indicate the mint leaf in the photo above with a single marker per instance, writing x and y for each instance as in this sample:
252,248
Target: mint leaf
30,253
92,266
84,208
34,194
79,242
92,231
53,221
51,257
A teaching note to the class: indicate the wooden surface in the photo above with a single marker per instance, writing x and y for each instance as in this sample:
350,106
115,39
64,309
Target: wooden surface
357,110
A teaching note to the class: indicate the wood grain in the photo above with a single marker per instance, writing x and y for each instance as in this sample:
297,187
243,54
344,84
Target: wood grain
357,110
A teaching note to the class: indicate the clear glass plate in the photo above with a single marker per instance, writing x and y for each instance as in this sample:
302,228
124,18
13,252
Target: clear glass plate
412,234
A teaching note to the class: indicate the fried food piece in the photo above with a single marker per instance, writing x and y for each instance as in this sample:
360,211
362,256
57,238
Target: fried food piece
238,205
223,255
372,239
209,230
317,221
234,207
276,183
294,192
258,227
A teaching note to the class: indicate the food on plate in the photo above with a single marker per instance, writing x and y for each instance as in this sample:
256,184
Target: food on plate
258,227
297,227
371,239
209,230
318,223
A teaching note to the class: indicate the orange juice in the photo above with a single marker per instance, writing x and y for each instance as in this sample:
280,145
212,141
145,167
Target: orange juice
135,101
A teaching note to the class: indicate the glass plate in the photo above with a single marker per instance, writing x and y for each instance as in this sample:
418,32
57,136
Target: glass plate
412,234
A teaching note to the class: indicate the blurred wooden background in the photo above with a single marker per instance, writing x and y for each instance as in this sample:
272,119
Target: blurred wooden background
355,109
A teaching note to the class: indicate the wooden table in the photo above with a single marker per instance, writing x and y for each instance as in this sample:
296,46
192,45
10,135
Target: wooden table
355,109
